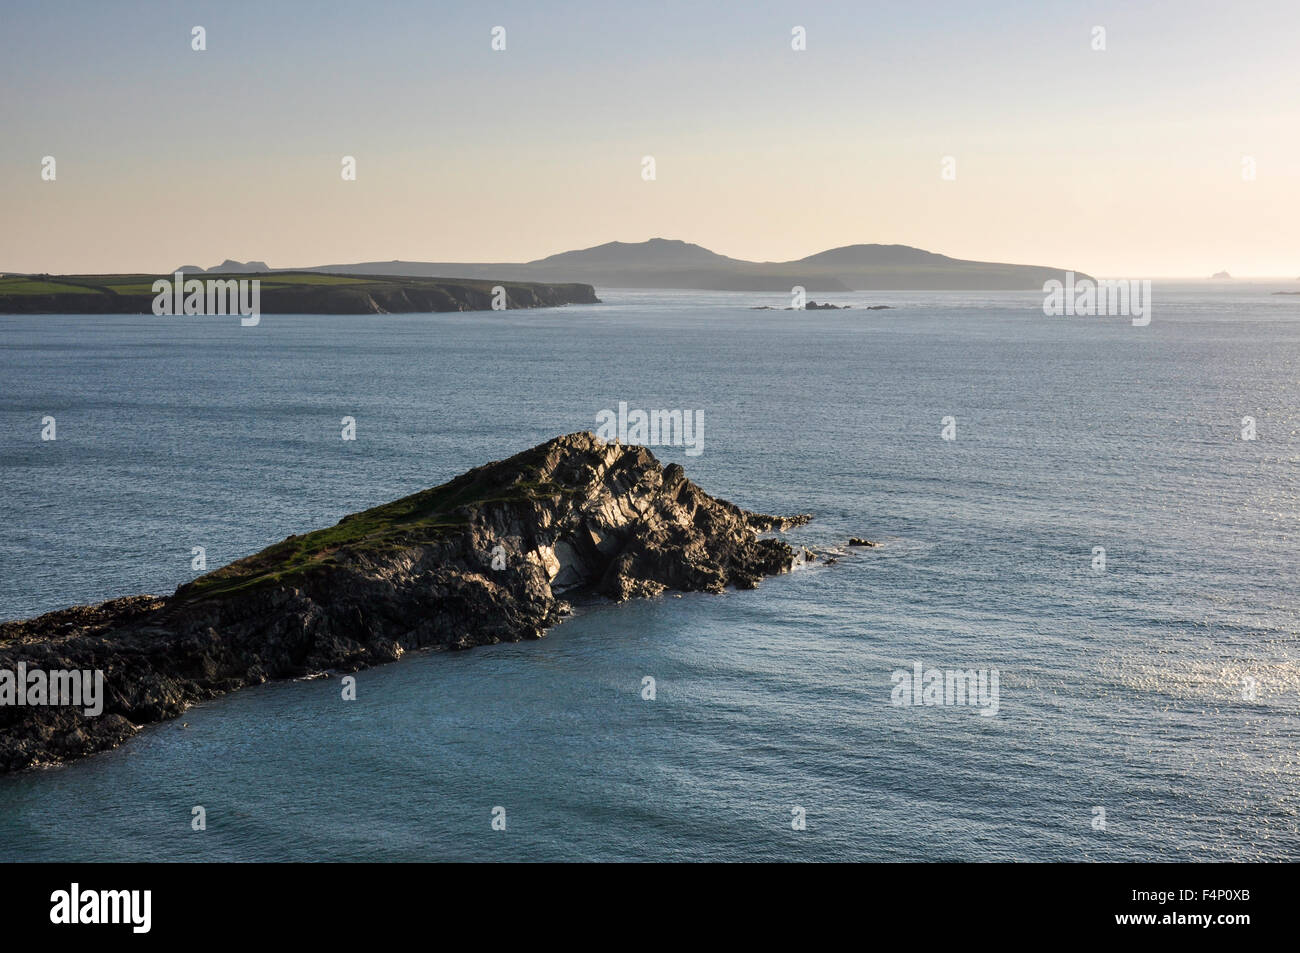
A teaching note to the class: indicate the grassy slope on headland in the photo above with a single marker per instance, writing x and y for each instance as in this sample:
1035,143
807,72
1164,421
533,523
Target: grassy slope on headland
285,293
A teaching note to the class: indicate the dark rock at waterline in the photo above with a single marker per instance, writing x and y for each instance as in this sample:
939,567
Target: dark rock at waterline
856,541
814,306
292,293
482,559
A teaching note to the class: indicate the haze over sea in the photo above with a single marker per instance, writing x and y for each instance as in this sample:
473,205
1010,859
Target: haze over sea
1121,690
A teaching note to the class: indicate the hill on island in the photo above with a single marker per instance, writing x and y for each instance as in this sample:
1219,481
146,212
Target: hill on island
664,263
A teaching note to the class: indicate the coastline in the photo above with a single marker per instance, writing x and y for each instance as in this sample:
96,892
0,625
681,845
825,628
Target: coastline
290,293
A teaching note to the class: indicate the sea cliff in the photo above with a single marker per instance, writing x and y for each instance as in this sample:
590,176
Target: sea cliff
288,293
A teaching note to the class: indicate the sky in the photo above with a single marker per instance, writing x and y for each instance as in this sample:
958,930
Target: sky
1133,160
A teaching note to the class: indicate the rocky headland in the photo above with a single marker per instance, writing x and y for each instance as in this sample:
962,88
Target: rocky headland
288,293
485,558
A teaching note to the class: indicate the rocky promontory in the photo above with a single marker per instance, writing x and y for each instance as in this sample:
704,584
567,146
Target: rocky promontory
485,558
283,292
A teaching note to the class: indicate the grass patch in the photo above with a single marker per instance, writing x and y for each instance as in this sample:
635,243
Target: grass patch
39,286
425,517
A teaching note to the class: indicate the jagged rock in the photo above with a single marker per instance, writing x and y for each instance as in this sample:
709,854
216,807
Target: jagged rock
232,267
484,558
855,541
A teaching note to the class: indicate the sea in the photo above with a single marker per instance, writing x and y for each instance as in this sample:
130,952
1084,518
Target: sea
1107,516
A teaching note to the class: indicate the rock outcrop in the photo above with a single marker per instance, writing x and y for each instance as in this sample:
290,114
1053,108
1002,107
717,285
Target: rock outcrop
484,558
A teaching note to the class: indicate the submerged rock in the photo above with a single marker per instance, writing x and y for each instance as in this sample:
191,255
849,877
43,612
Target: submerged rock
484,558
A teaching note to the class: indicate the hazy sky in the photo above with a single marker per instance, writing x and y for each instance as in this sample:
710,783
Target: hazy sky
1122,162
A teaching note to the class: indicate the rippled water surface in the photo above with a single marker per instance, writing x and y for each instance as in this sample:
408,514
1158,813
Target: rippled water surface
1121,690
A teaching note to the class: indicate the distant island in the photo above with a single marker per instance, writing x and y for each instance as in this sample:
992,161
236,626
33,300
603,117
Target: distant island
286,292
1220,275
567,278
396,287
479,560
670,264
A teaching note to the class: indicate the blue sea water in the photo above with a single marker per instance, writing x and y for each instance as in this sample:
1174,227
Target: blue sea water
1120,690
